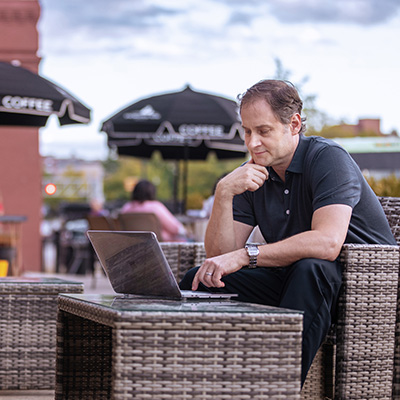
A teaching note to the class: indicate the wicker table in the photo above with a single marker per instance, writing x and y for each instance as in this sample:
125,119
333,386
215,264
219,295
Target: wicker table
28,316
126,348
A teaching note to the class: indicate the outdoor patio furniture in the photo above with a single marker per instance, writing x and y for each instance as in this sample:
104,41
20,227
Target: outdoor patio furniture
391,205
137,221
125,348
356,361
28,316
102,223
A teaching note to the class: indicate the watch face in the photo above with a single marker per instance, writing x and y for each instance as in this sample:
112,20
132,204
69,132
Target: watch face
252,250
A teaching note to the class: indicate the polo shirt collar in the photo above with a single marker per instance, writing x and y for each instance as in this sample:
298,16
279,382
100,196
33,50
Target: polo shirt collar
297,162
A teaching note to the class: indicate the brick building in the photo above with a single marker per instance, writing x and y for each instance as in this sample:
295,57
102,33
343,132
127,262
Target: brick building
20,162
371,125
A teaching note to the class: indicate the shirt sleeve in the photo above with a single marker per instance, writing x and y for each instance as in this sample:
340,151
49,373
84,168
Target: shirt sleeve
243,209
334,178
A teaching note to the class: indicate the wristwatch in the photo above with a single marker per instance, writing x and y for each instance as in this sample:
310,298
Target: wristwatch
253,252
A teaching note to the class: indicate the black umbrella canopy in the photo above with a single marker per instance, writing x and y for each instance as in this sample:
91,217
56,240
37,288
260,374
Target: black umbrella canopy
27,99
181,125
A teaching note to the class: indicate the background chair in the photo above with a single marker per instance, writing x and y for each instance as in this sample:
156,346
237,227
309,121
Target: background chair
140,222
102,223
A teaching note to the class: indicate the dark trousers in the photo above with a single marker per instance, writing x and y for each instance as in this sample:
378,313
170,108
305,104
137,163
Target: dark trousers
309,285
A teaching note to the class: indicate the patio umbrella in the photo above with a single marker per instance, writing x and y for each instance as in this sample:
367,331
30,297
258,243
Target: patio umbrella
27,99
184,125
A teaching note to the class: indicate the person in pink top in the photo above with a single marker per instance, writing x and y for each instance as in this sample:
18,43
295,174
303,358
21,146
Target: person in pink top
143,199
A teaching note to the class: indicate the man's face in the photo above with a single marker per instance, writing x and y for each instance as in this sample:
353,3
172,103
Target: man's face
269,142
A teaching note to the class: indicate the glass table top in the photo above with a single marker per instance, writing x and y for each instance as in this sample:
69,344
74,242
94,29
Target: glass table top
33,280
126,303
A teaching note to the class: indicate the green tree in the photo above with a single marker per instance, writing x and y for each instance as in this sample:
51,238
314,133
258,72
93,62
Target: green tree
387,186
336,131
316,119
202,176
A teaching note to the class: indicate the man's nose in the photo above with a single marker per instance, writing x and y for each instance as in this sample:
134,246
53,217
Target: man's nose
253,141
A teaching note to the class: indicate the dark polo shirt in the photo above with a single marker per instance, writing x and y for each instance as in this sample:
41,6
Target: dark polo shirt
321,173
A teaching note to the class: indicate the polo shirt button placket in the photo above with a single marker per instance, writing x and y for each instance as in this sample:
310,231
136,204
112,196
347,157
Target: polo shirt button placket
286,192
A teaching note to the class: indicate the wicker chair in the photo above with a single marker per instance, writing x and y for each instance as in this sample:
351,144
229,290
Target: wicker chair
137,221
391,205
356,361
102,222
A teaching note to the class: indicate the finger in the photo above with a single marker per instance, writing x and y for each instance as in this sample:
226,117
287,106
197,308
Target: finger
195,283
257,170
216,279
260,176
208,279
199,277
255,184
261,170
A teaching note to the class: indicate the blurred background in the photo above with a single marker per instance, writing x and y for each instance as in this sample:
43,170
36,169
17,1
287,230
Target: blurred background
342,55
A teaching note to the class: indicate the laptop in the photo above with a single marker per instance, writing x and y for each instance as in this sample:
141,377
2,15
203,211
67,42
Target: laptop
135,264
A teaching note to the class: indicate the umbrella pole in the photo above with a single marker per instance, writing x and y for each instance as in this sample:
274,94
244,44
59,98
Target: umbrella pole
176,185
185,177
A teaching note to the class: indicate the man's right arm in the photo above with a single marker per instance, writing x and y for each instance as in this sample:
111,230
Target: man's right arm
223,234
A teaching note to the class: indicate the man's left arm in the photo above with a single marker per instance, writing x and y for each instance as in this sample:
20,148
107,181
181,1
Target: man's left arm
328,232
324,241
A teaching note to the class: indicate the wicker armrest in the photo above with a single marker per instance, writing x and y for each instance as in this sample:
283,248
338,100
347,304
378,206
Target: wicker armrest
366,321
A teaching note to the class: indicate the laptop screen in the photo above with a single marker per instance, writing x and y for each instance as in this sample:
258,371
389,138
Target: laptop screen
134,263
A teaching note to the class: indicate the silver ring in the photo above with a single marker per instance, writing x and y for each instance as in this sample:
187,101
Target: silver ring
209,273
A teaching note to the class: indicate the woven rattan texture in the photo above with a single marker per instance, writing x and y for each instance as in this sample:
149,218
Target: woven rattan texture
183,256
28,334
84,350
366,322
180,355
320,379
314,386
391,206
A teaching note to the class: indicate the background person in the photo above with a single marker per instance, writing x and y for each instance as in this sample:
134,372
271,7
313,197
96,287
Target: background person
97,208
308,197
143,200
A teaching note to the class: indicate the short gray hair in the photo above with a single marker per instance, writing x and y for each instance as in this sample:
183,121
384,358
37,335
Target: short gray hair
281,95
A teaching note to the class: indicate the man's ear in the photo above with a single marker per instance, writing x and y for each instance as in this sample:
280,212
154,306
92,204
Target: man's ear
295,123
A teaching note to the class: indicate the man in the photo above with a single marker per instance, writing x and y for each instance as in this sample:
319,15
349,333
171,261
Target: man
307,196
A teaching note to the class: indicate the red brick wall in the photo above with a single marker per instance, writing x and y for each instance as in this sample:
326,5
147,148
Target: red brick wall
20,168
369,125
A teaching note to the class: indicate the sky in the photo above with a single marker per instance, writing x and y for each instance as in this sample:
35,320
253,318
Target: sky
110,54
